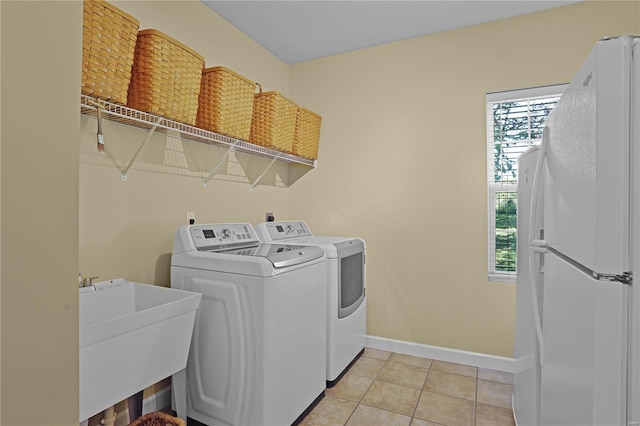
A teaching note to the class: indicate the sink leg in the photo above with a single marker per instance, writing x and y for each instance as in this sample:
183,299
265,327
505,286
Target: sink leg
179,393
134,403
109,416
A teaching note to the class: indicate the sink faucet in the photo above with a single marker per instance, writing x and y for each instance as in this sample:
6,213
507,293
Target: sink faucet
87,281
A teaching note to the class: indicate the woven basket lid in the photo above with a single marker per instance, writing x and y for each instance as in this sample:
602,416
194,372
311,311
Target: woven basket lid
172,40
227,70
115,9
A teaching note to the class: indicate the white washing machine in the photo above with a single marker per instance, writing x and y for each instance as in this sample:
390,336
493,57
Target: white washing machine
346,303
258,353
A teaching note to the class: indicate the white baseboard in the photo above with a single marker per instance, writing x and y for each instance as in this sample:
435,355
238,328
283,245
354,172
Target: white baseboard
157,401
491,362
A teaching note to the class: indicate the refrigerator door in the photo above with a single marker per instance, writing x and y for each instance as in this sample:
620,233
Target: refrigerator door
586,189
585,351
526,378
633,412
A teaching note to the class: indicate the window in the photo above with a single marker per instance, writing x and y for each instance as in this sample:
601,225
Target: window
515,121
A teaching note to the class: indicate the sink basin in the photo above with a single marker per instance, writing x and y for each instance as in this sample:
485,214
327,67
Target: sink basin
132,335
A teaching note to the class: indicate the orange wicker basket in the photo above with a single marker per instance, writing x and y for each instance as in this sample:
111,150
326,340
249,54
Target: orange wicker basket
307,135
157,418
226,103
108,44
165,78
274,121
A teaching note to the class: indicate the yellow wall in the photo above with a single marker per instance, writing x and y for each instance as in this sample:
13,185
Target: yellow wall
404,140
127,228
387,134
41,51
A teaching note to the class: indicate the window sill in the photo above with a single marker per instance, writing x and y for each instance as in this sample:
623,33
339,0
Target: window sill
502,278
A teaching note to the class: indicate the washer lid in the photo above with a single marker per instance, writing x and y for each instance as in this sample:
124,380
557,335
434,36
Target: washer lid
280,255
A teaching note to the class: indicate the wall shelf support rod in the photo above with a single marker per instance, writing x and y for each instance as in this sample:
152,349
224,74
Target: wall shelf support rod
135,156
217,166
264,173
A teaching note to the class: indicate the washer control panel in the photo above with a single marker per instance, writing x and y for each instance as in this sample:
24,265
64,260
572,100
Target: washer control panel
222,235
284,230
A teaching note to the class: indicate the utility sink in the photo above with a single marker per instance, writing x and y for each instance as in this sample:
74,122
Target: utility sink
132,335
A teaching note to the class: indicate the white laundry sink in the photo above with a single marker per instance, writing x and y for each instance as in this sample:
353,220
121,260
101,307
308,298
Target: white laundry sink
132,335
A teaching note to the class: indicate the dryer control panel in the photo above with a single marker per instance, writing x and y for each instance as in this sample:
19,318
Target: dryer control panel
284,230
222,235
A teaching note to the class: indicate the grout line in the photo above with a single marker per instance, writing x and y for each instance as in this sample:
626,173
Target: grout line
475,402
422,389
365,392
413,414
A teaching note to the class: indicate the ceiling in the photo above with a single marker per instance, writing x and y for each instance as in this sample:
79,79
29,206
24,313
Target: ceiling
301,30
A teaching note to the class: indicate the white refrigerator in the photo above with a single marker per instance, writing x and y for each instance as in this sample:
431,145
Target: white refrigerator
577,343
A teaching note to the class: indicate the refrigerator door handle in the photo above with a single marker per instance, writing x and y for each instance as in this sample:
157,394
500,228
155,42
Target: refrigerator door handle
624,278
537,245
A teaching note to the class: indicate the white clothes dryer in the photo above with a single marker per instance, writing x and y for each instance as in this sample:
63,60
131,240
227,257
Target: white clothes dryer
346,292
258,353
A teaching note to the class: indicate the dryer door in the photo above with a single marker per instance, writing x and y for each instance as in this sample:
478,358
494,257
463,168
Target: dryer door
351,273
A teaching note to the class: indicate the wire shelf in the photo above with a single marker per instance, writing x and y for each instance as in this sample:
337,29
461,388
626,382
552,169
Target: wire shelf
132,117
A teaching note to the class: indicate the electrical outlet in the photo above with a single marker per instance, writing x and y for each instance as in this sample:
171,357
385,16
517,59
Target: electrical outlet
191,218
269,217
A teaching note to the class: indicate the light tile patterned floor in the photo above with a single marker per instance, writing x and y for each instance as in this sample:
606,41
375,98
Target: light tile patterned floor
384,388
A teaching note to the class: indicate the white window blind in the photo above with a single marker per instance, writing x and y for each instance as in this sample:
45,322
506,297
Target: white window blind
515,121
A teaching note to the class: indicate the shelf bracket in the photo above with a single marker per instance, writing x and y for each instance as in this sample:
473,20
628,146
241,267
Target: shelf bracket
117,113
217,166
135,156
100,135
264,173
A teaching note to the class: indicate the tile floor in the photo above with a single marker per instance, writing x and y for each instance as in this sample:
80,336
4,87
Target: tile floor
384,388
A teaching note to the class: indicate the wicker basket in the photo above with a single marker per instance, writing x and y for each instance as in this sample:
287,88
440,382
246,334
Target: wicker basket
274,121
108,44
226,103
165,78
307,136
157,418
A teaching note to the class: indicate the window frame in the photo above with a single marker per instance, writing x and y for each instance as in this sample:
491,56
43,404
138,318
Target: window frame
498,276
494,187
